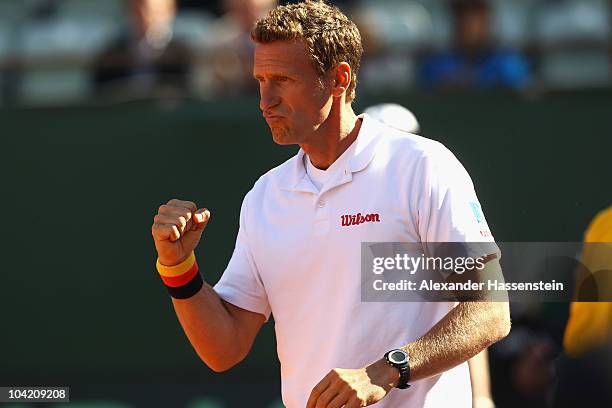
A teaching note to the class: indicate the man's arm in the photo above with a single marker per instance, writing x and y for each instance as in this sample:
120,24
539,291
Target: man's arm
481,380
466,330
210,323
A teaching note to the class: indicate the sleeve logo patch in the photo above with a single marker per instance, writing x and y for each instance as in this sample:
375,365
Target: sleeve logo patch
477,211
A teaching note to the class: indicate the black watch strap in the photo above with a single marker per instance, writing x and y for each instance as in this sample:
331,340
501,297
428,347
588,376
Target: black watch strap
404,370
404,377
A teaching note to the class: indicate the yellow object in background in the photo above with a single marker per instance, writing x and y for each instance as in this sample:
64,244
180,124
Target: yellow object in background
590,323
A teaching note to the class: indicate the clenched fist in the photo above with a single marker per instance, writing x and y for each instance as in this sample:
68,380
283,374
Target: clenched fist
177,229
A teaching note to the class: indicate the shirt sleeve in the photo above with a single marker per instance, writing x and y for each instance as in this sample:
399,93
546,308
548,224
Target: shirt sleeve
448,209
241,284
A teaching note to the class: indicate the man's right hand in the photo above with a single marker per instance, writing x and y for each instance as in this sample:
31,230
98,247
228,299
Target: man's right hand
177,229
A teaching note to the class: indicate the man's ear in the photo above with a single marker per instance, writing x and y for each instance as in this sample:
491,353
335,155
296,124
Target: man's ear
342,79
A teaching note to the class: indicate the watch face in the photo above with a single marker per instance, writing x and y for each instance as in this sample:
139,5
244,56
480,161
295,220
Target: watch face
398,357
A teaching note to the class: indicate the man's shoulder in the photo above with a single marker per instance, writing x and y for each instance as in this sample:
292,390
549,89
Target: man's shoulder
401,151
411,146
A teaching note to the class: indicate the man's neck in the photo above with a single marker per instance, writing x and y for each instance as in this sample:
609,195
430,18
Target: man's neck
334,136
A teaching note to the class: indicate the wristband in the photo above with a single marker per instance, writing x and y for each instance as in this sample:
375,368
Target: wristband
183,280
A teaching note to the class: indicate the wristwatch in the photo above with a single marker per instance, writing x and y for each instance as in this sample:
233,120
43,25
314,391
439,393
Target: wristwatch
399,359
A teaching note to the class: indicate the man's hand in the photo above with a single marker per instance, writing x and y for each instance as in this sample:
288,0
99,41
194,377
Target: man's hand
353,388
177,229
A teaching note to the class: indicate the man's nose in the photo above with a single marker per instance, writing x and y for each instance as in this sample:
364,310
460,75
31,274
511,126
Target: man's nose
267,97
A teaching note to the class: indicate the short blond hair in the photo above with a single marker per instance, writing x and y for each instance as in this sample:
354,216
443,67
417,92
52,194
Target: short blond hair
329,35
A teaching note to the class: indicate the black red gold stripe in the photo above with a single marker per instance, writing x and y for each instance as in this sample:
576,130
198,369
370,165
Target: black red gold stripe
188,290
183,280
176,270
176,281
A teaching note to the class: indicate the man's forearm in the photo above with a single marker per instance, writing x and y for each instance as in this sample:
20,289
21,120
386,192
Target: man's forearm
464,332
480,378
209,326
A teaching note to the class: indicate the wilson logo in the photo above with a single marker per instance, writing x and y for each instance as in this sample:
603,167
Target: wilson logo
348,220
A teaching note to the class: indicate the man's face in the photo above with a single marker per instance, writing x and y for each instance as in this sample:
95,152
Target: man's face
291,97
152,14
472,28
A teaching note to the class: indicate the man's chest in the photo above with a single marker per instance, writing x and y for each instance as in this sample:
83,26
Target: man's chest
309,240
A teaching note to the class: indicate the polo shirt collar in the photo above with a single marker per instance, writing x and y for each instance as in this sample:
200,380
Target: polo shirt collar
297,179
365,149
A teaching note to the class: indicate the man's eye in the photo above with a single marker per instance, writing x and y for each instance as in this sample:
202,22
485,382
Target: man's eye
282,79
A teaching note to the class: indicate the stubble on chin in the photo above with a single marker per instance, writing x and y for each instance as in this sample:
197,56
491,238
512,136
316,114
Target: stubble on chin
280,136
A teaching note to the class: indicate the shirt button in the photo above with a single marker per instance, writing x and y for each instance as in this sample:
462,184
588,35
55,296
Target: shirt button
321,203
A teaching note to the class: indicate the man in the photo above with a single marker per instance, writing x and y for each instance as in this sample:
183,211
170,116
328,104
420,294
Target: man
294,258
146,58
590,323
475,61
232,55
586,365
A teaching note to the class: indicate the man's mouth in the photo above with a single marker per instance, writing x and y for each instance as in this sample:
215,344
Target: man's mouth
273,119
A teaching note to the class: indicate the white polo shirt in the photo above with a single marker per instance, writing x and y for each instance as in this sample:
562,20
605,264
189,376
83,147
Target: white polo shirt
295,259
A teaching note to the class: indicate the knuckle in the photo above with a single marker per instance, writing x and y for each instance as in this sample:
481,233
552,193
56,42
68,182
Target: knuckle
157,230
163,208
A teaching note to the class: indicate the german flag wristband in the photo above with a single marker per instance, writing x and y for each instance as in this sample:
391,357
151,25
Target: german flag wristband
182,280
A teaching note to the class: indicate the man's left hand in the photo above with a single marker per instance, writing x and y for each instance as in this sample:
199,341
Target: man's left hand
352,388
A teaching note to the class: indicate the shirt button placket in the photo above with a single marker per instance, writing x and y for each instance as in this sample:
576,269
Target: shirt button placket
321,221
